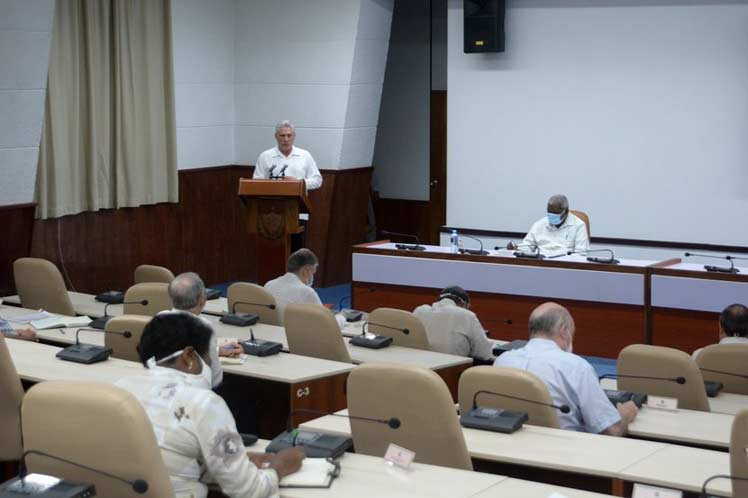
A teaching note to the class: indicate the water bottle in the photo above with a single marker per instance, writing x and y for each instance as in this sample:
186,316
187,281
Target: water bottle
454,242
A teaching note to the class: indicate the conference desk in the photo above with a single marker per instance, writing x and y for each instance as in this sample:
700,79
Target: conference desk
608,302
587,461
366,476
83,304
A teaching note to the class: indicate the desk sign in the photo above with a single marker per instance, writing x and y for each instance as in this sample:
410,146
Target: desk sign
662,403
399,456
642,491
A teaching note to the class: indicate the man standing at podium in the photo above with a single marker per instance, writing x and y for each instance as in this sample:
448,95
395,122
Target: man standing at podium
288,160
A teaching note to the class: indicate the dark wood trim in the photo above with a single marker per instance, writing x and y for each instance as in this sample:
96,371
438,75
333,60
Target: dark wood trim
17,221
358,169
609,240
18,206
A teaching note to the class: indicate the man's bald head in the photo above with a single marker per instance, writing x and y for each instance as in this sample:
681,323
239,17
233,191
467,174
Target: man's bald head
187,291
550,320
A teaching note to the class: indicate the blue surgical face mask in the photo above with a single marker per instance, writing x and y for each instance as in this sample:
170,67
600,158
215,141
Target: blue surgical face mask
555,219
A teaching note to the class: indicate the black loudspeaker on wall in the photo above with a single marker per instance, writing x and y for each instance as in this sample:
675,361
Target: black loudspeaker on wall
484,25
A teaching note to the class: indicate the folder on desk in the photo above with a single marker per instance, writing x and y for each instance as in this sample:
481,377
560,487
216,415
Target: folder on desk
60,321
314,473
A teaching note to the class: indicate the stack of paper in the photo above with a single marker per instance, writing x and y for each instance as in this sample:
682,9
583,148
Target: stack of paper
60,321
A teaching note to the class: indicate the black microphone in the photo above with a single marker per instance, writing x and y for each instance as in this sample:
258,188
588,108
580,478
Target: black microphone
408,247
100,323
528,255
393,422
367,324
268,306
719,269
608,261
719,476
126,333
89,353
282,173
270,173
260,347
561,408
742,376
140,486
376,342
243,319
677,380
479,252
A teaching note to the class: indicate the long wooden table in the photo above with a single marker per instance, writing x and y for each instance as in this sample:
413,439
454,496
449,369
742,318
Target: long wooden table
588,461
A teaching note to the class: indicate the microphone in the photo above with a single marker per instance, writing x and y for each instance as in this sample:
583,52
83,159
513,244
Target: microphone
561,408
140,486
677,380
319,445
282,173
270,173
404,331
268,306
243,319
374,341
260,347
89,353
479,252
742,376
408,247
100,323
528,255
498,420
713,268
608,261
719,476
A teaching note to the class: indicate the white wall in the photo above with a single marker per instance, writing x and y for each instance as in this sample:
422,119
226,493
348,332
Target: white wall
637,110
203,34
25,32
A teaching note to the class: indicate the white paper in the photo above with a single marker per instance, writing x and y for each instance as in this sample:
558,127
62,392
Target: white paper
313,472
643,491
397,455
61,321
662,403
39,315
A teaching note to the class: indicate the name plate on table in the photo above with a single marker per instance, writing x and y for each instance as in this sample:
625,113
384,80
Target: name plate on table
399,456
662,403
643,491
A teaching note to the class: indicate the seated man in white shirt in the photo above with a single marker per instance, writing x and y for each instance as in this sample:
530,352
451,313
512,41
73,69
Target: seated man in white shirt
733,326
452,328
571,380
187,292
288,160
558,232
295,287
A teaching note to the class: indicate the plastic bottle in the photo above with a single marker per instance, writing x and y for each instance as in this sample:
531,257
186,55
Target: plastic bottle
454,242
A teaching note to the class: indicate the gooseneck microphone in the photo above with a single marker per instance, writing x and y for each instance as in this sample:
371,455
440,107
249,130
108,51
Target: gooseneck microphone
243,319
100,323
718,476
392,422
408,247
366,340
677,380
475,252
367,324
561,408
282,173
718,269
608,261
528,255
126,333
89,353
140,486
732,374
268,306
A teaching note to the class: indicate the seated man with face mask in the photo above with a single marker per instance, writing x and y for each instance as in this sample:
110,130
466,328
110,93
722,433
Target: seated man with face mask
571,380
193,426
558,232
295,287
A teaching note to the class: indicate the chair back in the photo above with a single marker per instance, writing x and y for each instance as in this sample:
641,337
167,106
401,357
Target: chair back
152,273
11,394
512,382
41,286
244,292
399,319
584,217
417,397
659,361
157,295
125,348
732,358
311,330
97,425
738,453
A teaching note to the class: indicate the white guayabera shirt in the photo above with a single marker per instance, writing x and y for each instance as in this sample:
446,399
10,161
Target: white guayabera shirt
300,165
570,236
198,437
289,289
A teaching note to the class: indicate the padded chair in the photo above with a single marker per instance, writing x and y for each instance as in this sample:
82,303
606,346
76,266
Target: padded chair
420,399
152,273
244,292
731,358
97,425
156,294
311,330
738,454
584,217
416,337
11,392
41,286
659,361
510,381
125,348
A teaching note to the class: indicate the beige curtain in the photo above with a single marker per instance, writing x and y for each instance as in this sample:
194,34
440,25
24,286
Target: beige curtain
109,137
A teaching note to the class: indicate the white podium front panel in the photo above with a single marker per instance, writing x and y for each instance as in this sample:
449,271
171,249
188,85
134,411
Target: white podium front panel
697,294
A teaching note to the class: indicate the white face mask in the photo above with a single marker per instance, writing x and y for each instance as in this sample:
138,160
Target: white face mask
205,378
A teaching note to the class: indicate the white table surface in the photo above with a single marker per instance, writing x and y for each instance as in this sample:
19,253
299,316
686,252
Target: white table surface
83,304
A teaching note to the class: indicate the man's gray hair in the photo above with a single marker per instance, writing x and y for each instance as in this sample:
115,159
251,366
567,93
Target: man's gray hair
186,291
300,259
560,201
549,319
284,124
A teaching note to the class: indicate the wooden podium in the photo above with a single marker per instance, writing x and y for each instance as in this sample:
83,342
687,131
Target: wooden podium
274,207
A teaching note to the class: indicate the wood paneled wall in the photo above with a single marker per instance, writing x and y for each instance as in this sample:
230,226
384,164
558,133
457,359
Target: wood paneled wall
205,232
15,242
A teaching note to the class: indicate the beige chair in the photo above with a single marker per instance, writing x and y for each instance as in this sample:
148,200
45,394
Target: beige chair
512,382
152,273
311,330
11,394
732,358
659,361
584,217
156,294
97,425
399,319
244,292
41,286
417,397
125,348
738,453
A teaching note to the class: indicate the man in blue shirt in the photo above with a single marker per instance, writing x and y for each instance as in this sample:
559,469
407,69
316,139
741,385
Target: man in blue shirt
571,380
